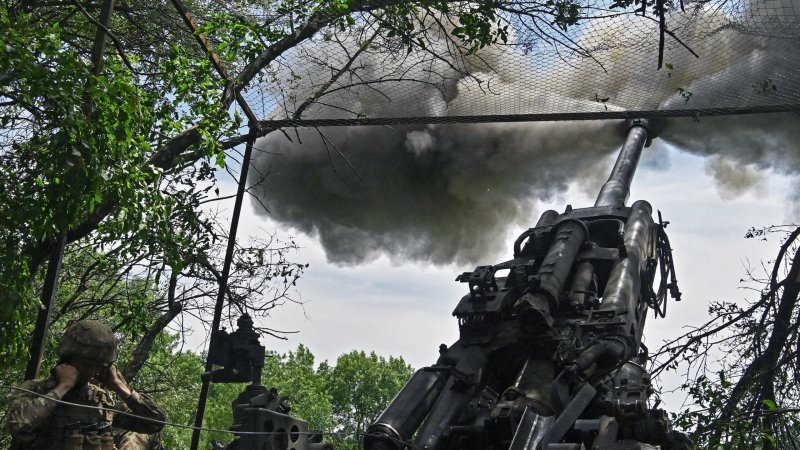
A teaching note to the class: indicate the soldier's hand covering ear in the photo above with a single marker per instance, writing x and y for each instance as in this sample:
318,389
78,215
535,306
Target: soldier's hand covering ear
66,377
117,383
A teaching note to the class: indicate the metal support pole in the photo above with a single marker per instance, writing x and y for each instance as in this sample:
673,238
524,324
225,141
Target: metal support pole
223,284
36,348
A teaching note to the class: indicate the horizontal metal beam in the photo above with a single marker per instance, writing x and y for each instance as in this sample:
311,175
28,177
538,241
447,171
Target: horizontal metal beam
548,117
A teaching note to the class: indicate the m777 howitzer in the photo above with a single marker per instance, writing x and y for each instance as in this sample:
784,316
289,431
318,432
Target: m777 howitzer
550,356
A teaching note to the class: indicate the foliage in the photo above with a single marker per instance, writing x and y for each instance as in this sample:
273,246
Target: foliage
77,138
73,141
741,367
296,375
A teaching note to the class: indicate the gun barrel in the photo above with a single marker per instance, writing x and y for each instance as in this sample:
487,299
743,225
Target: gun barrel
615,191
406,412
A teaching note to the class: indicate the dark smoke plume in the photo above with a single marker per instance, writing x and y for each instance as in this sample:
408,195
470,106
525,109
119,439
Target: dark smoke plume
432,193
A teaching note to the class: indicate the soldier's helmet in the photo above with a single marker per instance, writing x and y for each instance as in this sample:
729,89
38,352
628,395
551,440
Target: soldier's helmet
91,340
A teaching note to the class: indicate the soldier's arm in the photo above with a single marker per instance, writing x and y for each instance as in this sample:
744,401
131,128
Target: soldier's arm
140,405
134,403
27,411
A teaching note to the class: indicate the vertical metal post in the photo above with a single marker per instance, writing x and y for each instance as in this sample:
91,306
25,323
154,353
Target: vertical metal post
223,283
191,23
36,348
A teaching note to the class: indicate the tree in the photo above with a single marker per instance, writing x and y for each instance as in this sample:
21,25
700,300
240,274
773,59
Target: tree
296,375
361,386
748,397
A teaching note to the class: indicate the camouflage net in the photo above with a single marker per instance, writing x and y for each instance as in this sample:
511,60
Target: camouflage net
719,57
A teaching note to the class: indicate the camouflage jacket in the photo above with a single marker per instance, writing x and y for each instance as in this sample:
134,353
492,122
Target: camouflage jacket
40,423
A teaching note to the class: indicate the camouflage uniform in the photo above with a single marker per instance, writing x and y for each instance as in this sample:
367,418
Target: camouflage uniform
130,440
39,423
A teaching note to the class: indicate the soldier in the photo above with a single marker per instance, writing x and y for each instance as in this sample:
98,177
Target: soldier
86,353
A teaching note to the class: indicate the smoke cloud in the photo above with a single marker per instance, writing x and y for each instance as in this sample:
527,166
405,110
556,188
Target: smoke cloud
441,194
734,180
451,193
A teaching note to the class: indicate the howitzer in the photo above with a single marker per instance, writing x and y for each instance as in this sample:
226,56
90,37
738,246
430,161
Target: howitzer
550,353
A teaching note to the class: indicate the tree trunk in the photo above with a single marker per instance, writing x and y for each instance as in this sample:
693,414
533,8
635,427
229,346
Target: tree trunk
142,352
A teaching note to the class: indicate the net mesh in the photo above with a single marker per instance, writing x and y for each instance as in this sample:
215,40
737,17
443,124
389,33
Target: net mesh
719,57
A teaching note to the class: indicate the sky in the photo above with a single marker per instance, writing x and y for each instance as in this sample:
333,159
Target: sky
397,305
